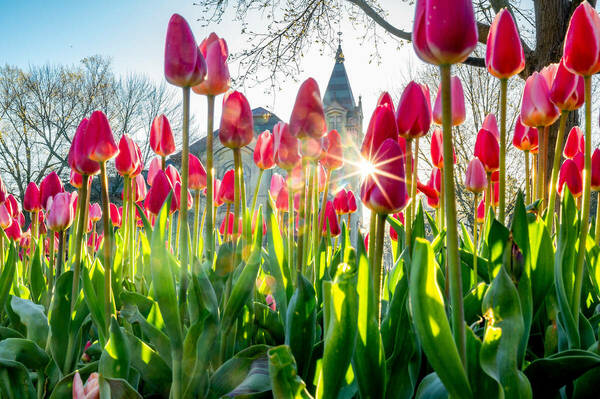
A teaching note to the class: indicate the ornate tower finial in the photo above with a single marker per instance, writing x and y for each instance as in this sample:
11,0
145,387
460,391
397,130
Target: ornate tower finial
339,55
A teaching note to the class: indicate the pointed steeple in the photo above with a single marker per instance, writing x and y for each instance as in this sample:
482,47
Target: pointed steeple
338,89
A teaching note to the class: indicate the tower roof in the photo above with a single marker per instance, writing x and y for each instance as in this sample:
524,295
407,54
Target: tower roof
338,89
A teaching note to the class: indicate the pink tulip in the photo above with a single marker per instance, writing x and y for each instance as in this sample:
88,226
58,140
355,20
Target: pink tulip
567,90
490,123
264,151
115,215
459,113
504,55
277,183
197,174
95,212
128,161
13,231
575,143
444,32
340,202
155,166
536,108
331,223
475,178
413,115
525,137
176,203
91,389
286,147
237,123
226,191
158,193
60,211
351,201
333,153
215,52
581,51
2,191
386,99
5,217
161,137
382,126
571,175
481,211
184,63
596,170
50,186
139,188
487,149
78,159
99,144
308,118
32,201
173,175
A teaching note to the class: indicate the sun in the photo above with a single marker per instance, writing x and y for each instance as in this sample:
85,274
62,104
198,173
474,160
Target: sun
365,168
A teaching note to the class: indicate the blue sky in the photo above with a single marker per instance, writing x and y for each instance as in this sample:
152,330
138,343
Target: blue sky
132,33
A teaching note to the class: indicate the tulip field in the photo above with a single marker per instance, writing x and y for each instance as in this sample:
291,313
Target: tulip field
155,298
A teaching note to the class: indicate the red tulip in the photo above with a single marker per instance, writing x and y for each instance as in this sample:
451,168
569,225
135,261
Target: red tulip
184,63
270,301
459,114
115,215
490,123
2,191
333,153
580,161
475,178
310,149
264,151
393,233
536,108
496,191
158,193
173,175
487,150
581,51
76,180
571,175
95,212
413,115
444,32
94,242
386,99
596,170
504,55
264,225
285,147
32,201
340,202
282,201
77,158
161,137
5,217
227,223
197,174
139,188
525,138
217,201
432,188
384,191
382,126
99,144
176,203
277,183
50,186
575,143
226,191
481,211
140,165
60,211
13,231
128,160
567,90
237,124
215,52
307,118
351,201
155,166
437,149
331,223
297,179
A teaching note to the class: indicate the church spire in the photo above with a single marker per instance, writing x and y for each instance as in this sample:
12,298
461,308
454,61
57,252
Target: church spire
339,55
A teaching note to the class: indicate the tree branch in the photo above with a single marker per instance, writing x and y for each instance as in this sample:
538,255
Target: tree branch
379,20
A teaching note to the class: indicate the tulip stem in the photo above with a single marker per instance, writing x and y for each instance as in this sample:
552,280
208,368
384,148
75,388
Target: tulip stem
81,225
209,230
51,244
442,202
315,223
454,271
256,189
378,262
61,253
502,184
475,246
527,179
413,194
125,216
301,221
237,160
408,167
555,168
196,227
290,223
132,233
585,213
319,220
107,246
540,166
545,181
307,212
371,249
226,235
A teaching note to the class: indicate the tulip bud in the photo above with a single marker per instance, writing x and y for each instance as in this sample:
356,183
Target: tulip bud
490,123
487,149
49,187
444,32
60,211
330,223
340,202
215,52
382,126
99,144
115,215
270,301
285,147
575,143
95,212
282,201
413,116
384,191
596,170
217,201
308,118
226,191
437,149
333,153
173,175
475,178
571,175
2,191
176,203
128,161
5,217
581,51
184,63
161,137
386,99
13,231
155,166
525,138
459,114
536,108
481,211
158,193
277,183
567,90
237,124
351,201
264,151
139,188
78,159
504,55
32,201
197,174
